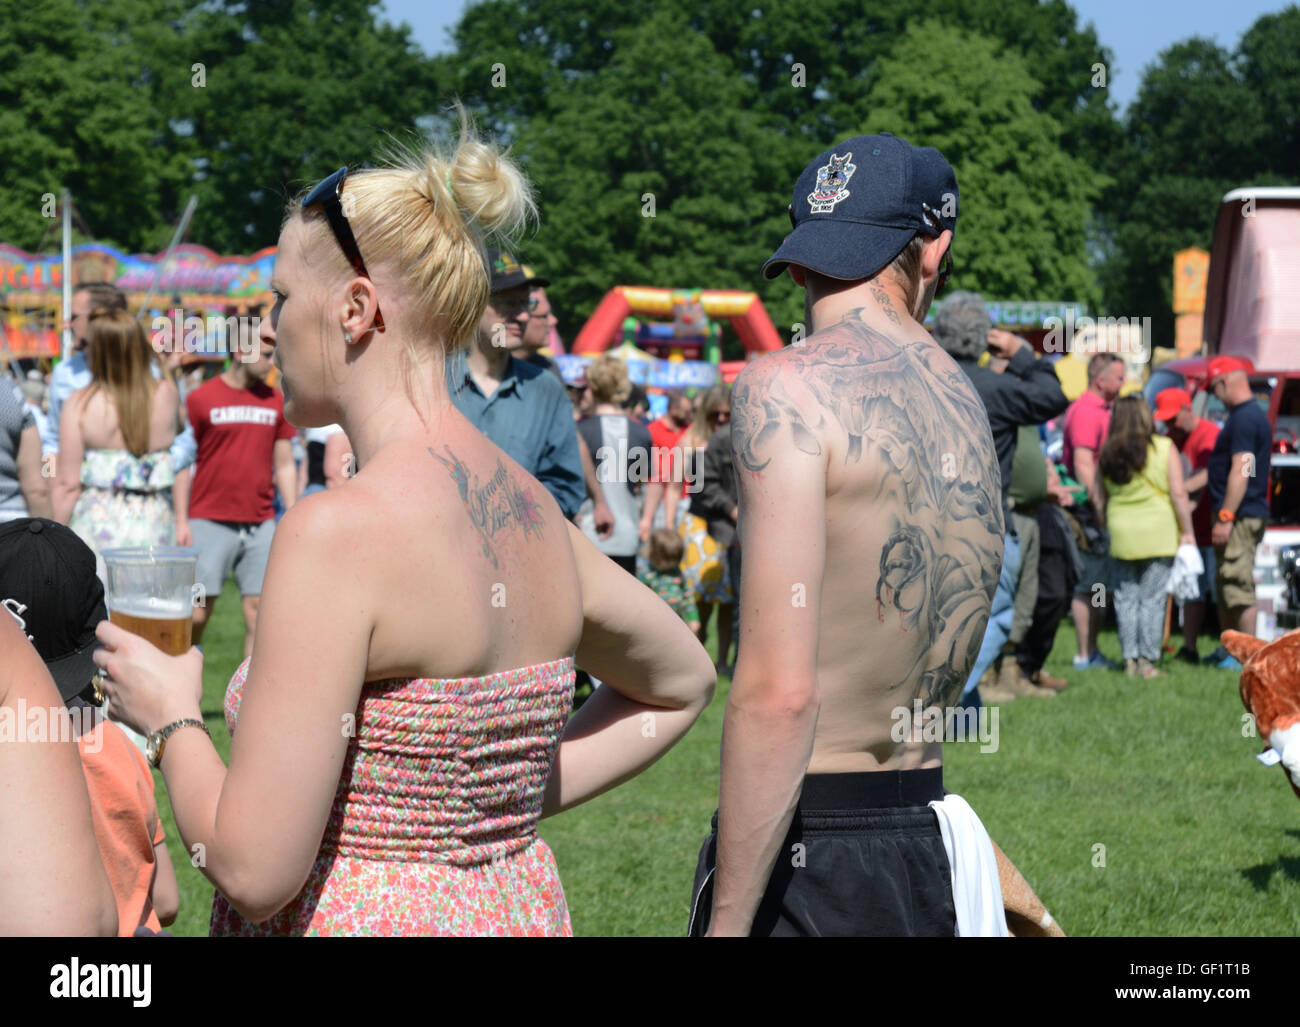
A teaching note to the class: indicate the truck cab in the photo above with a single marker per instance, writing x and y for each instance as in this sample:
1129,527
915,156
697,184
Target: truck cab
1252,311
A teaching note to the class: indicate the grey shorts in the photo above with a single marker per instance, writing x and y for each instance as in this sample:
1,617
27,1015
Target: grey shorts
1096,571
225,546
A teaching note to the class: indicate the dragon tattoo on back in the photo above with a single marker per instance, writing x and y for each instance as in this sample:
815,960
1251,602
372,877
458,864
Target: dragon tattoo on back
940,562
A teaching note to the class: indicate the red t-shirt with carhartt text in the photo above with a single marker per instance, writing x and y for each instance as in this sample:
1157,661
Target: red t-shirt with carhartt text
236,431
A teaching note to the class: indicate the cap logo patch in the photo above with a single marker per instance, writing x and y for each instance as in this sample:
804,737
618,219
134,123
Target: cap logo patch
506,264
15,610
832,184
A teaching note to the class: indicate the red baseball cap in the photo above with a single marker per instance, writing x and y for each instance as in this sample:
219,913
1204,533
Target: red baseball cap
1222,365
1169,402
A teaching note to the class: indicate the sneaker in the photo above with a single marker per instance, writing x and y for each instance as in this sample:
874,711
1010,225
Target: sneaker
1097,661
1131,668
1216,657
1229,662
1148,670
1043,679
1187,655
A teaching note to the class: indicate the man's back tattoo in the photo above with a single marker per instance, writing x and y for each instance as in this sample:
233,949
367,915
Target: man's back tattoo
939,565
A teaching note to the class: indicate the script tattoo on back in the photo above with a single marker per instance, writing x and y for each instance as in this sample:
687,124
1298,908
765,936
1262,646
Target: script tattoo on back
498,504
939,564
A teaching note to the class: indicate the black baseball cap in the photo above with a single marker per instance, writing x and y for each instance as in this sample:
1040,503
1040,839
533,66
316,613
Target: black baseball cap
858,204
509,273
49,586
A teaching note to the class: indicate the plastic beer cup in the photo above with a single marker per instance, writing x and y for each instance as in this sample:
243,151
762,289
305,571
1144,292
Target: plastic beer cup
150,594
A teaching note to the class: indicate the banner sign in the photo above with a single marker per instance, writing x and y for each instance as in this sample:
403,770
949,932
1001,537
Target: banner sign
659,374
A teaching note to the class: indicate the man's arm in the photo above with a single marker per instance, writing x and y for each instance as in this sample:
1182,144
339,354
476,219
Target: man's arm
600,511
184,449
1039,397
771,715
60,390
1234,492
286,472
34,487
1085,469
181,507
559,467
66,488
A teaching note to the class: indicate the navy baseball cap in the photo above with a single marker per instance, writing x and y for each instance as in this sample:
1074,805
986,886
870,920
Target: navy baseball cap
860,202
49,586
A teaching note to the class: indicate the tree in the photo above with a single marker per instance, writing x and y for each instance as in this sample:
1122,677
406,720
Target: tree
656,172
1194,132
79,86
801,72
1024,201
288,91
1270,69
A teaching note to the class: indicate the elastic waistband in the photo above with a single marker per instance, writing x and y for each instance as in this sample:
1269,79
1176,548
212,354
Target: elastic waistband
879,789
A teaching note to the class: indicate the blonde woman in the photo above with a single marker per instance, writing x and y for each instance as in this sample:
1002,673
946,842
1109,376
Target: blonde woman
704,564
621,448
114,475
403,722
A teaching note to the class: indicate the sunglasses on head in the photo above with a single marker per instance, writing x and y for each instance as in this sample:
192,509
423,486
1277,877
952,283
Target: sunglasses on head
945,267
329,194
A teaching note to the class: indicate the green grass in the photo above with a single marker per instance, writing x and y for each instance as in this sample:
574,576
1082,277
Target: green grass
1199,838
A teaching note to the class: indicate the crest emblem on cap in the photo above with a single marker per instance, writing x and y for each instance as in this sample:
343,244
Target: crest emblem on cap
832,184
506,264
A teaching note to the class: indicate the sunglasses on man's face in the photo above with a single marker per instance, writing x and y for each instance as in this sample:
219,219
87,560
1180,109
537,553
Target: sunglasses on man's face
504,306
329,194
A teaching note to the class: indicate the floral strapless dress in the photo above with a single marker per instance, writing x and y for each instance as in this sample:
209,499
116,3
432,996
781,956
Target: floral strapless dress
125,500
433,830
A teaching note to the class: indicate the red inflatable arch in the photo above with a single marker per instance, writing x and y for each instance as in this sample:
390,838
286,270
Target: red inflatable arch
744,309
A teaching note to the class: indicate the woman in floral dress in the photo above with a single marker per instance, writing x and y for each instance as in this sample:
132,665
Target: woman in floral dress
113,481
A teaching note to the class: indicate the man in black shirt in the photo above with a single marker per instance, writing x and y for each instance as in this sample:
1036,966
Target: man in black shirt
1238,486
1027,392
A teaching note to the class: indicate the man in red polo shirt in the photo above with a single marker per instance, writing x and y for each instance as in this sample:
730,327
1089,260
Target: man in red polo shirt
1195,437
239,425
1086,423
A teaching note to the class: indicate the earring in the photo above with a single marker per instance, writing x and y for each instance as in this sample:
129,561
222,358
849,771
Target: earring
347,337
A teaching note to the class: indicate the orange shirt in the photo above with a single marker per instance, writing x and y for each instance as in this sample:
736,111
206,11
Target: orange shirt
126,821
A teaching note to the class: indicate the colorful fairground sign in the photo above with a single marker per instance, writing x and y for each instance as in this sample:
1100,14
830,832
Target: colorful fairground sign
194,279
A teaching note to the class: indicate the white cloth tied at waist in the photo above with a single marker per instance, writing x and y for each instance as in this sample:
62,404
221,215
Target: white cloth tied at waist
1184,579
976,888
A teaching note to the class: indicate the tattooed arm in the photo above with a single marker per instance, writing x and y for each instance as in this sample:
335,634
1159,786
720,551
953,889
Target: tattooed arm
767,735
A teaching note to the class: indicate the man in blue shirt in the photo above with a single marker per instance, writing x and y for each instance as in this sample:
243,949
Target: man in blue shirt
74,373
519,406
1238,486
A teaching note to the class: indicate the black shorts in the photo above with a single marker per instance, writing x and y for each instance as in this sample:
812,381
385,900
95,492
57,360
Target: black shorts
864,857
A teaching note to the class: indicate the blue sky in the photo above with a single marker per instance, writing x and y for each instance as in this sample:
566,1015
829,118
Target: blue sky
1134,30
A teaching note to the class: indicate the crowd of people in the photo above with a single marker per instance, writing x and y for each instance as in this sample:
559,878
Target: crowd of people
461,530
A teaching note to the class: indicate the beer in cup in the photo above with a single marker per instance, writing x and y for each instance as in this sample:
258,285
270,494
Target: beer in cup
150,594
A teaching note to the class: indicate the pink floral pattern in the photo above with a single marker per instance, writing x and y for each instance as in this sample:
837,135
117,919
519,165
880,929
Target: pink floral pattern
434,824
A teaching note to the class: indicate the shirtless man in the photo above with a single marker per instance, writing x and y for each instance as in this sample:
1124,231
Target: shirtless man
871,521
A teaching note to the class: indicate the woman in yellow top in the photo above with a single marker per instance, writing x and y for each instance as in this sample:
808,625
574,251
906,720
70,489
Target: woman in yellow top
1145,508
